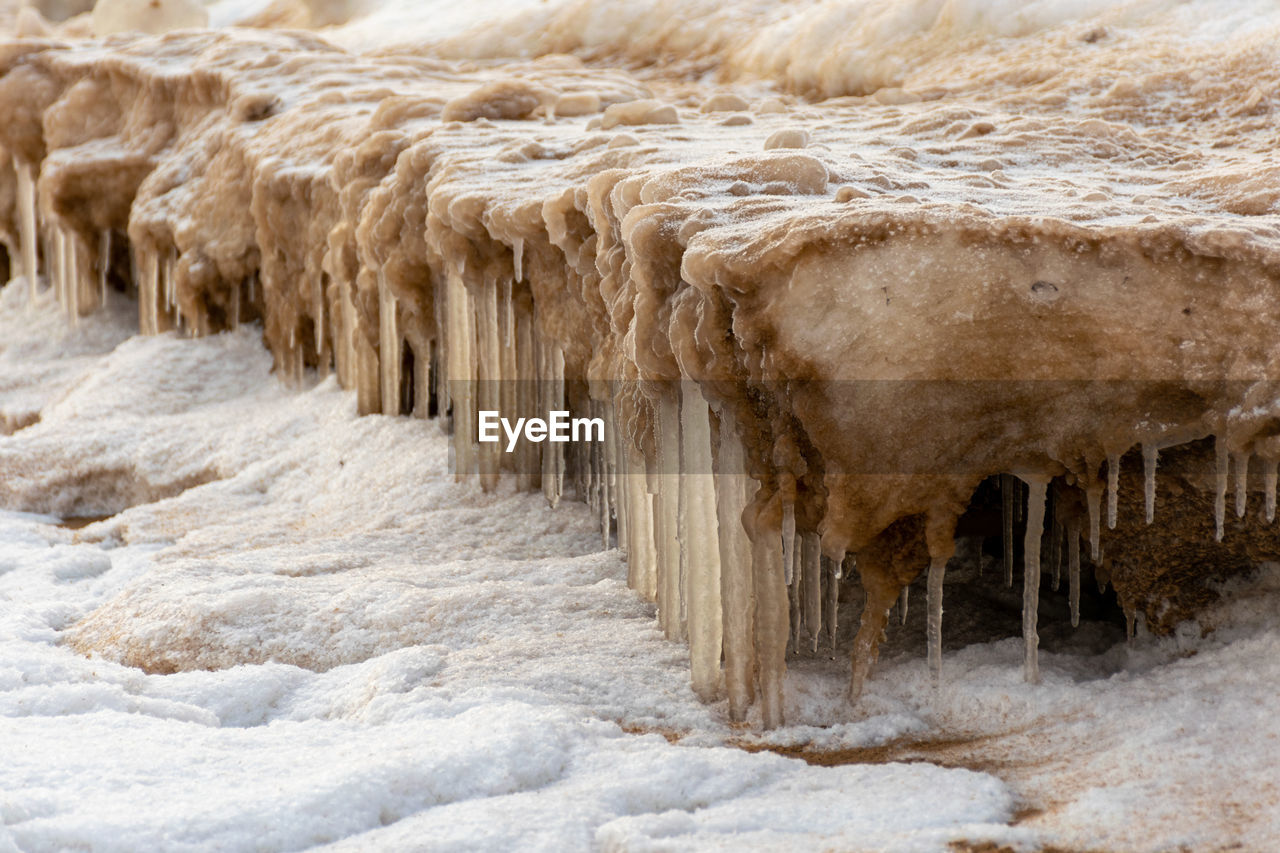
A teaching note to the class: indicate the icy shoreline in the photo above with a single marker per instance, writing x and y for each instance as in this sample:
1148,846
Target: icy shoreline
474,687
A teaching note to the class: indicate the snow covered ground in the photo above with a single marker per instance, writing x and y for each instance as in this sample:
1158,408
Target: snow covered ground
291,629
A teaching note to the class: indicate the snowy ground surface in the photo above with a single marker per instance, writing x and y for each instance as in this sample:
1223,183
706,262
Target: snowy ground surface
292,630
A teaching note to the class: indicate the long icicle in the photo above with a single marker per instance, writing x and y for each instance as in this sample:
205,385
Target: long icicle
1038,489
28,226
1093,497
737,588
700,543
1073,569
770,620
667,509
811,562
937,574
788,541
1055,541
832,616
489,387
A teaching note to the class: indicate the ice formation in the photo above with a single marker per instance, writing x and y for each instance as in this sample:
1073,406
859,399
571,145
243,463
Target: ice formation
813,329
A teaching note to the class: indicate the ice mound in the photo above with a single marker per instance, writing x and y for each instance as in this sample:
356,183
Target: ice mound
146,16
1030,278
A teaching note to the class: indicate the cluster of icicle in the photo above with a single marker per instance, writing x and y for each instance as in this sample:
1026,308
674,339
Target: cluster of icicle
384,213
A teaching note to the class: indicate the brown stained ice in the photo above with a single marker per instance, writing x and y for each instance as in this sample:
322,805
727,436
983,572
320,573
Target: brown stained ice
940,275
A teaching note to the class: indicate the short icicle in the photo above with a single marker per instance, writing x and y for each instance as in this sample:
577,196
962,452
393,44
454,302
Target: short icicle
1242,482
1150,458
903,599
1270,468
1113,489
1220,487
104,265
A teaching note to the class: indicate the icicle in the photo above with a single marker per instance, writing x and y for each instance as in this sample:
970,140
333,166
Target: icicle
1130,625
642,569
1149,457
553,453
1093,496
1269,471
903,599
1242,482
489,386
1220,487
737,588
604,462
833,600
1038,488
28,229
319,315
1055,553
389,356
700,543
1055,540
937,574
1113,489
1073,569
617,461
528,459
667,509
235,307
149,295
78,289
171,288
771,627
460,337
508,317
796,593
104,265
811,562
788,541
58,267
517,257
1006,505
